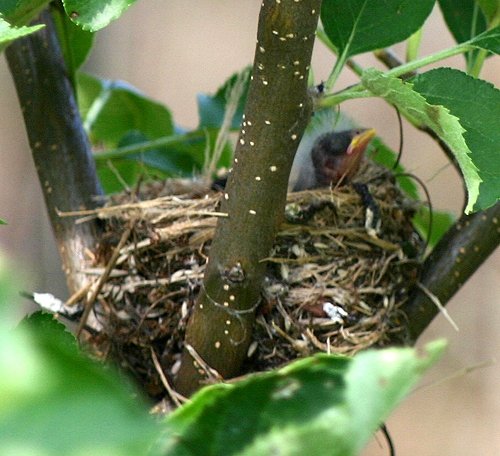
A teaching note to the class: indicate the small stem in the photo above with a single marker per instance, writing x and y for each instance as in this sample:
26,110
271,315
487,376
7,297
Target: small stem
391,60
337,68
358,91
475,69
413,45
323,37
424,61
122,152
355,67
351,93
471,62
477,66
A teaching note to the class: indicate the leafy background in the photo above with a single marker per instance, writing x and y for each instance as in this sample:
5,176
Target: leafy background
144,48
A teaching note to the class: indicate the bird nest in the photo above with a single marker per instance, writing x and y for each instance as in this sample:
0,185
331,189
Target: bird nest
334,282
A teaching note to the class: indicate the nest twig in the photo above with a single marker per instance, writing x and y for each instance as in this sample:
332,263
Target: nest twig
331,285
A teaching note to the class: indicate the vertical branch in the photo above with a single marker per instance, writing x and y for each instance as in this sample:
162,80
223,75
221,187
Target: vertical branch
60,148
277,112
455,258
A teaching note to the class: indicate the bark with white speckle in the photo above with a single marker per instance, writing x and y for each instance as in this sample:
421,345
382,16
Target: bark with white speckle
459,253
277,112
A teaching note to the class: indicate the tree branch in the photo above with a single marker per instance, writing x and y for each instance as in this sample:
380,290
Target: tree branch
458,254
60,148
276,114
465,246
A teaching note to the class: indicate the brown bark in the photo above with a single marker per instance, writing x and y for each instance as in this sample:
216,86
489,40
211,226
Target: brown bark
455,258
60,147
277,112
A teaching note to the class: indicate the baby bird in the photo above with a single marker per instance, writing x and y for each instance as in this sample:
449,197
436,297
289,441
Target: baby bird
329,153
333,159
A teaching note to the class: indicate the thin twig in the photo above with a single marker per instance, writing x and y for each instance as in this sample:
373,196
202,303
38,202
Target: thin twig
178,399
211,373
438,304
233,98
102,280
391,60
77,296
429,204
401,139
456,374
385,431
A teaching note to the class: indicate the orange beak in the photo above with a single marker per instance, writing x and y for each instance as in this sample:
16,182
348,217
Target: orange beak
355,151
336,156
360,141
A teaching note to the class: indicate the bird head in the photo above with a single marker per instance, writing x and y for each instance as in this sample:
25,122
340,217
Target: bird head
336,155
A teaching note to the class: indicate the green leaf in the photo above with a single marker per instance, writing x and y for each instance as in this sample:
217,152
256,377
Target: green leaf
7,8
3,222
441,223
9,295
384,155
75,43
170,163
367,377
491,9
198,143
9,33
417,109
356,26
140,134
171,156
463,17
319,405
112,109
93,15
57,402
211,108
466,20
489,40
477,104
117,169
121,174
88,90
45,326
21,12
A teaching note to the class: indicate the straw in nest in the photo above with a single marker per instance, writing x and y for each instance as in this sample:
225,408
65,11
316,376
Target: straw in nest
332,284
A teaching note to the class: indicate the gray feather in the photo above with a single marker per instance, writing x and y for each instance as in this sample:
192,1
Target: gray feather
302,176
